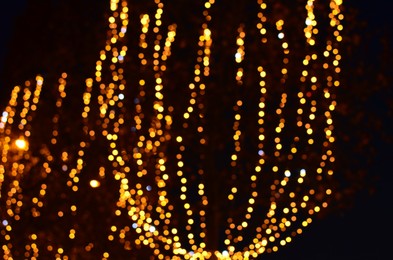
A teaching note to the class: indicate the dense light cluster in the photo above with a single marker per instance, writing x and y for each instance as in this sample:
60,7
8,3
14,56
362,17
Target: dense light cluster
133,137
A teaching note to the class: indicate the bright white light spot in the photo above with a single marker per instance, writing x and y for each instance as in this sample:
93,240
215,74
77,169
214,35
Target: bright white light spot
302,172
121,96
281,35
4,222
120,57
21,144
95,183
148,187
261,152
308,22
4,117
152,229
238,56
123,29
134,225
225,253
287,173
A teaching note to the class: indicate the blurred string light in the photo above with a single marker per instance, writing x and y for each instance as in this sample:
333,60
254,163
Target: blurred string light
138,160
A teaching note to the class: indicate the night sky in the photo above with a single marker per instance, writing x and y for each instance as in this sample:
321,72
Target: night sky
361,231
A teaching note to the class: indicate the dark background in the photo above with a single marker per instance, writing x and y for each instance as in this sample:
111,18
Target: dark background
360,225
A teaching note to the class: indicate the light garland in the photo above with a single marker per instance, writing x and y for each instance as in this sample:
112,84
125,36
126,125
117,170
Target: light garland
162,199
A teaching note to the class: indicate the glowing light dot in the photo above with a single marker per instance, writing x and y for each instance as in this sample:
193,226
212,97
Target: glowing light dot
95,183
152,229
4,117
21,144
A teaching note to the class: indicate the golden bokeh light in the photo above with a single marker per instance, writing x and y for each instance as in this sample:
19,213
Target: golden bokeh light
21,144
156,153
95,184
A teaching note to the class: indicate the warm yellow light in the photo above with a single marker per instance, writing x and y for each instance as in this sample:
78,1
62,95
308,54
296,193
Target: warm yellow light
22,144
152,216
95,183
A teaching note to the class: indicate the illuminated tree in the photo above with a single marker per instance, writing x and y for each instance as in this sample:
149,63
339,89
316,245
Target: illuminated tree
204,136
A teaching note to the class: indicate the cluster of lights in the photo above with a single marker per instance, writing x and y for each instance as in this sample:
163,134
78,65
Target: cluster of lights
137,137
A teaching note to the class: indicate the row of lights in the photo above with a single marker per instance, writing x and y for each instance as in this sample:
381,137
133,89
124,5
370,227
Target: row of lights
143,189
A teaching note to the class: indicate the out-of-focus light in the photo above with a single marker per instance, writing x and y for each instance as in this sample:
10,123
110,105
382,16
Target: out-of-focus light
40,80
4,117
152,229
95,183
21,144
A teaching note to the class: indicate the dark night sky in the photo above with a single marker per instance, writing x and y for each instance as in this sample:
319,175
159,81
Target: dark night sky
360,233
9,13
